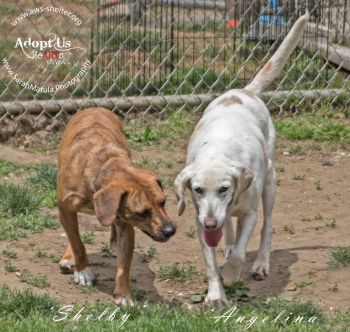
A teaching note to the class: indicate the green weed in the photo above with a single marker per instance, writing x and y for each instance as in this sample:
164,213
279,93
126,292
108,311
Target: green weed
340,257
149,255
9,253
191,233
87,237
38,281
176,272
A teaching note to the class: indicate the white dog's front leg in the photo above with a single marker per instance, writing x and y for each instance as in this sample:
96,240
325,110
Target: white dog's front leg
231,270
229,234
216,293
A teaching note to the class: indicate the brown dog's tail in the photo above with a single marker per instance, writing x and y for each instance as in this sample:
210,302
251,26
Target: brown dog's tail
273,67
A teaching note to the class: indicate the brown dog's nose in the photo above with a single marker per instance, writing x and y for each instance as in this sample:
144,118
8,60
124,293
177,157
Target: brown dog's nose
210,223
168,229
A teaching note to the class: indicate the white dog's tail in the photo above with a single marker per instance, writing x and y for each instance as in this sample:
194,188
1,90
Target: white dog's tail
273,67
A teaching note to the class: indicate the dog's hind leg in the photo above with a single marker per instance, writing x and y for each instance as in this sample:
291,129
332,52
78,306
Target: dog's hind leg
69,222
216,293
261,266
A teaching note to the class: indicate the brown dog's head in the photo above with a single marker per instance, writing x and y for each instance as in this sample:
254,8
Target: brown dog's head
136,197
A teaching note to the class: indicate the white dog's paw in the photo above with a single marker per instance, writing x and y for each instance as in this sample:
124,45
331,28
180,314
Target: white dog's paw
216,298
260,269
84,277
66,266
228,250
123,301
229,273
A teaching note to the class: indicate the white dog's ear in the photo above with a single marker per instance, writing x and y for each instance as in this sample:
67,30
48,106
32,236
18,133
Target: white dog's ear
243,177
182,182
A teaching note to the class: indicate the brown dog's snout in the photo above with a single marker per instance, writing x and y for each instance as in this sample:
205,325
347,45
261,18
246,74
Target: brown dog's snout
168,229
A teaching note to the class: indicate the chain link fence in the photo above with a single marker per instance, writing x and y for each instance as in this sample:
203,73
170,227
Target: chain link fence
161,55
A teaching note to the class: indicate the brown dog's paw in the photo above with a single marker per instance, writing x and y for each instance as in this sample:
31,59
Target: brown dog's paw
66,266
84,277
122,301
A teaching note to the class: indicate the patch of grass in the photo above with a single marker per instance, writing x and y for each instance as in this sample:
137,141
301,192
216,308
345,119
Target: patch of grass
104,247
16,200
37,223
45,176
304,283
318,216
172,126
38,281
168,180
191,233
294,149
313,126
289,228
334,288
45,181
154,165
87,237
333,224
7,167
237,291
318,185
9,253
6,46
9,267
340,257
280,169
299,177
176,272
27,311
149,255
43,254
15,227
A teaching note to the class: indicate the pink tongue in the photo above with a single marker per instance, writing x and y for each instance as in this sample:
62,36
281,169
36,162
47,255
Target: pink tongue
212,238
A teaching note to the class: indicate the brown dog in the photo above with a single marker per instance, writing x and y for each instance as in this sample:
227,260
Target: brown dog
97,175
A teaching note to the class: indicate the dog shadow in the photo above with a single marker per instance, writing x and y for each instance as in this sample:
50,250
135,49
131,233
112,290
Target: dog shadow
281,261
274,284
141,280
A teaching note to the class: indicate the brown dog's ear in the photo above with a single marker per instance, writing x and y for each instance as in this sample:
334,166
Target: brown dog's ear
106,203
182,181
243,178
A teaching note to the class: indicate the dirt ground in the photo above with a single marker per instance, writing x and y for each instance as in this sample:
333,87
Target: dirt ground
300,249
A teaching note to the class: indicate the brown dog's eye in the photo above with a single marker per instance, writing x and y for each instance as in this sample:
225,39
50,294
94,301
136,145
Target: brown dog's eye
144,214
198,190
222,190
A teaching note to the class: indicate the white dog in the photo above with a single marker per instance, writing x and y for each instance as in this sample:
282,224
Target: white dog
230,165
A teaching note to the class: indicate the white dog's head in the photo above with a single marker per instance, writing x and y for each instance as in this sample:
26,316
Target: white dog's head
214,187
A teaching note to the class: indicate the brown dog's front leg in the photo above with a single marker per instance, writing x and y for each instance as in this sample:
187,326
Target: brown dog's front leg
125,244
69,221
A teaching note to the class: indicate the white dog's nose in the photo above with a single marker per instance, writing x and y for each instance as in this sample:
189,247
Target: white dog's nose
210,223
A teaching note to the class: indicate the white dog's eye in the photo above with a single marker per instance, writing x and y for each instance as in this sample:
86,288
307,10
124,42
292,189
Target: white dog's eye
222,190
198,190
